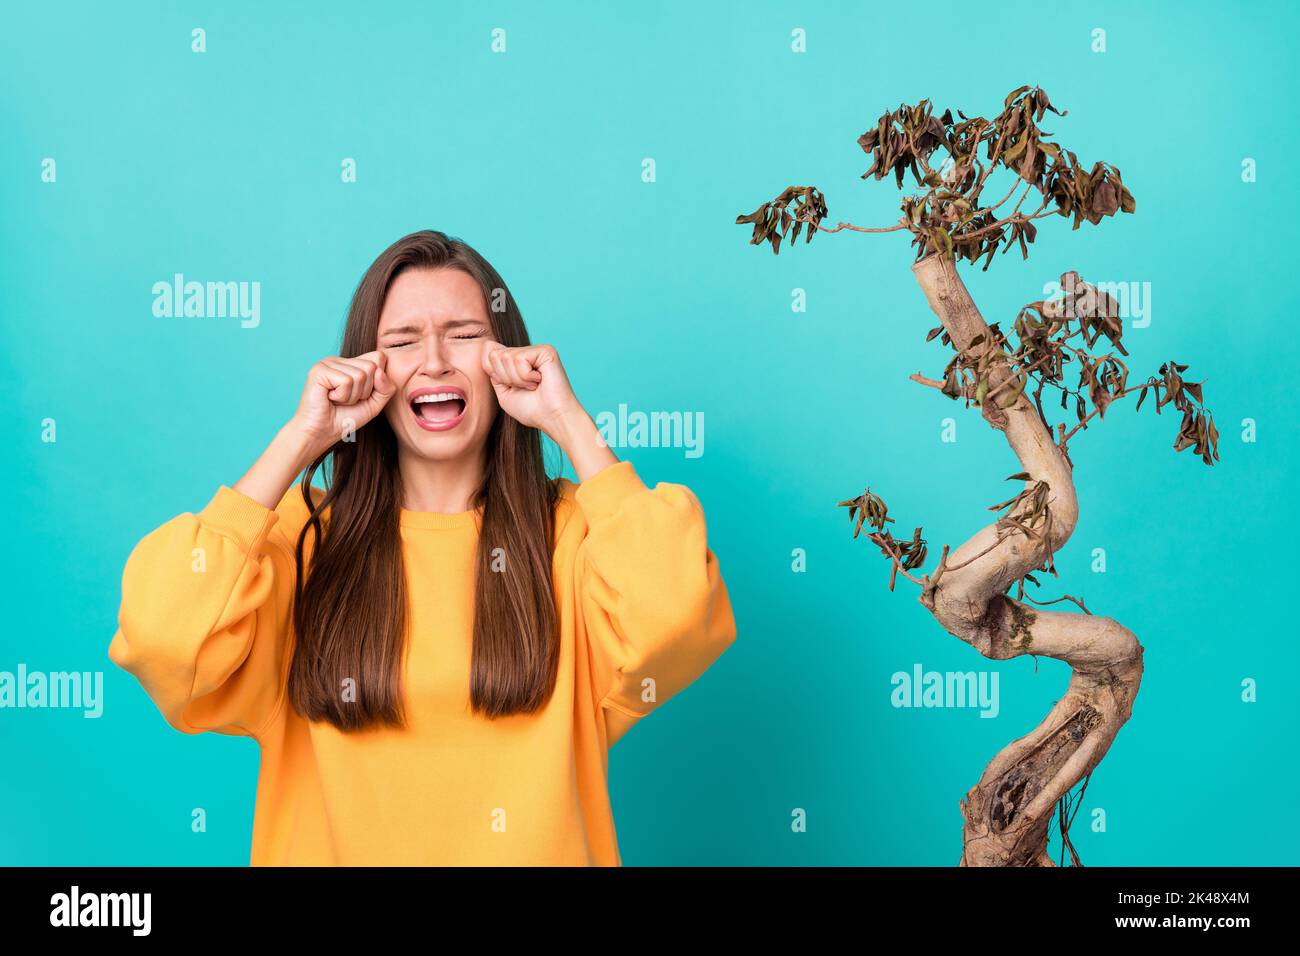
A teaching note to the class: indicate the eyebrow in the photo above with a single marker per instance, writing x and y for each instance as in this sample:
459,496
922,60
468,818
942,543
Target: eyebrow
416,330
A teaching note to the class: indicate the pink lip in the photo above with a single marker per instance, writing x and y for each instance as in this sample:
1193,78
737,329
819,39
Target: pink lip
440,390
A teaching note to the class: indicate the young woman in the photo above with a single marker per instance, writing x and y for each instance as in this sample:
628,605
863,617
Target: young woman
435,651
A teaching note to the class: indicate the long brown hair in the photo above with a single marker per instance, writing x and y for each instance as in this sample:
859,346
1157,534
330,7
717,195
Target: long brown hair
350,608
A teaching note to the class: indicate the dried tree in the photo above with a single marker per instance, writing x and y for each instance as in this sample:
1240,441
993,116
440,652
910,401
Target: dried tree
1008,813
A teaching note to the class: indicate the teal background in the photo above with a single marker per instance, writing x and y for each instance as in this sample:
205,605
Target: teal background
226,166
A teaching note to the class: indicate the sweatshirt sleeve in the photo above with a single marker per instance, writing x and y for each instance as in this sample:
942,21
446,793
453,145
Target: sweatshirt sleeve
204,616
656,609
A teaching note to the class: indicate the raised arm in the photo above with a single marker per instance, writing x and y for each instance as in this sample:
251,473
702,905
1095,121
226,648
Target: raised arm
206,597
656,610
204,617
651,596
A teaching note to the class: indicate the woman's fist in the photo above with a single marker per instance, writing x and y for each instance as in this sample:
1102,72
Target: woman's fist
530,384
340,396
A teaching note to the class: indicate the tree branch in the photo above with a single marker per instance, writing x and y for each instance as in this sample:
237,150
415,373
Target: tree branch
1007,813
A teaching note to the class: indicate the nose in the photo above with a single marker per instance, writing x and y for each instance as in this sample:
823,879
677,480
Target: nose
436,361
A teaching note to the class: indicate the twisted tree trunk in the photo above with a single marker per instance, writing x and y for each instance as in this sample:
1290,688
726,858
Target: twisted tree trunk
1007,813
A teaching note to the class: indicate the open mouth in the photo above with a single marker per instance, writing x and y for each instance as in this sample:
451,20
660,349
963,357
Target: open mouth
438,410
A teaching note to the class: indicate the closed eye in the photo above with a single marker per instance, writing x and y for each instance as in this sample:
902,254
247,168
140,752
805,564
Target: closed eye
469,335
397,345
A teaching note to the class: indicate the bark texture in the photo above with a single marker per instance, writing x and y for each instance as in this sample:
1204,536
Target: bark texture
1007,813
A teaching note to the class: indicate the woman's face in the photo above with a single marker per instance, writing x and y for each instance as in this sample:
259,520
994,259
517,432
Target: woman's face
433,329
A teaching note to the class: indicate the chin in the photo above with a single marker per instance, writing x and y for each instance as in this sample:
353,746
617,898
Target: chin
458,443
454,433
439,449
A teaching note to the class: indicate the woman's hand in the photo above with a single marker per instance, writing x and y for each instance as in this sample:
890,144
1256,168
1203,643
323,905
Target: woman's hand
531,386
340,396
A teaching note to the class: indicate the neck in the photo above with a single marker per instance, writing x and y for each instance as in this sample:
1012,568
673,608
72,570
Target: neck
446,487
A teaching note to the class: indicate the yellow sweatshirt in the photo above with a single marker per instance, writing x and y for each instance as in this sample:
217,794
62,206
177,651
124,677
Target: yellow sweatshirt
641,604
